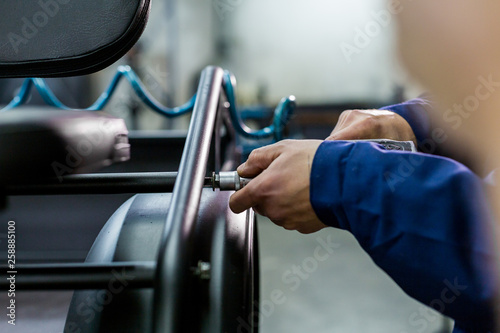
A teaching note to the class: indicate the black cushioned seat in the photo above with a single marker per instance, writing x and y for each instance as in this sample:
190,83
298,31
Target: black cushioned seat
54,38
44,142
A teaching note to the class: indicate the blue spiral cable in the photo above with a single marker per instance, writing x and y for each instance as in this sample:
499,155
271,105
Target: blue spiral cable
282,112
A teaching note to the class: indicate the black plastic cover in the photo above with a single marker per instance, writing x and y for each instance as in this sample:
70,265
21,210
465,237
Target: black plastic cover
51,38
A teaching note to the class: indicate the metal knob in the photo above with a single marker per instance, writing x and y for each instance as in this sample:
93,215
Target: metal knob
229,181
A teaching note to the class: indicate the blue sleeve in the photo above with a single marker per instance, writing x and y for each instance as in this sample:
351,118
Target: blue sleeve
423,219
415,112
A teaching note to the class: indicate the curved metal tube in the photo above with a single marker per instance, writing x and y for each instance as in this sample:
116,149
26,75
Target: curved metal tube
282,112
174,259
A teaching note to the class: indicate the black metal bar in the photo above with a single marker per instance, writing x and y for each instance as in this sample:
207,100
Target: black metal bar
112,276
173,268
103,183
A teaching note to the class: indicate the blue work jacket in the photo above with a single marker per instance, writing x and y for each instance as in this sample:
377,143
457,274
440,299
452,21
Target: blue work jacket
423,219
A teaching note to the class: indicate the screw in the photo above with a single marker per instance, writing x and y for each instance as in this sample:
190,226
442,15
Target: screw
203,271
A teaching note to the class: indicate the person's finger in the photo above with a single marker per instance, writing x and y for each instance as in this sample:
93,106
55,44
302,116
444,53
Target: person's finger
243,199
340,123
351,133
259,160
258,210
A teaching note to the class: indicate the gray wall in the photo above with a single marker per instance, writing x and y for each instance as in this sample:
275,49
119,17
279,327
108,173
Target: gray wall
275,48
294,46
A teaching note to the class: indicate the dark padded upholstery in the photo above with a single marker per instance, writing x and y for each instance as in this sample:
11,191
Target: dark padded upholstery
38,143
53,38
46,38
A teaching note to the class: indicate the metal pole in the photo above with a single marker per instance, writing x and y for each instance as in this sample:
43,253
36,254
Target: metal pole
174,259
116,183
78,276
101,183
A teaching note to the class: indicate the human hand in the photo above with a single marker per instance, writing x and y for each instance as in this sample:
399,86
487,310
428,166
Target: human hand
372,124
280,189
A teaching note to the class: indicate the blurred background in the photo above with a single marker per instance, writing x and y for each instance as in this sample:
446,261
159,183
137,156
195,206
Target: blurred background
333,56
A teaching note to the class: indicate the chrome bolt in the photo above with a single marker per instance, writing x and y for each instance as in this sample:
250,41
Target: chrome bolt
203,271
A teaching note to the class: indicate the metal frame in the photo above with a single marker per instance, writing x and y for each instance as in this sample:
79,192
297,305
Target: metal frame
169,276
101,183
174,265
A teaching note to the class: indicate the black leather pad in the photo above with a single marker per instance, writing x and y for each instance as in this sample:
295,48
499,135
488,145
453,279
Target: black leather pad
38,143
67,37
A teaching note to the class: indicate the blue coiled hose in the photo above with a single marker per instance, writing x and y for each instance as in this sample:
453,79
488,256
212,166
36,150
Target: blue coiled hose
282,112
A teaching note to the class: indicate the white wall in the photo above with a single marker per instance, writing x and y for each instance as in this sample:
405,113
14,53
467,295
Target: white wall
294,47
183,40
176,46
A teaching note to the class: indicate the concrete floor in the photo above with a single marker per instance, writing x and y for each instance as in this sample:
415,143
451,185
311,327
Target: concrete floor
37,312
342,291
306,286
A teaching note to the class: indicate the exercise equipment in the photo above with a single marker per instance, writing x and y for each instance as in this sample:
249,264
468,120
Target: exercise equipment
173,261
